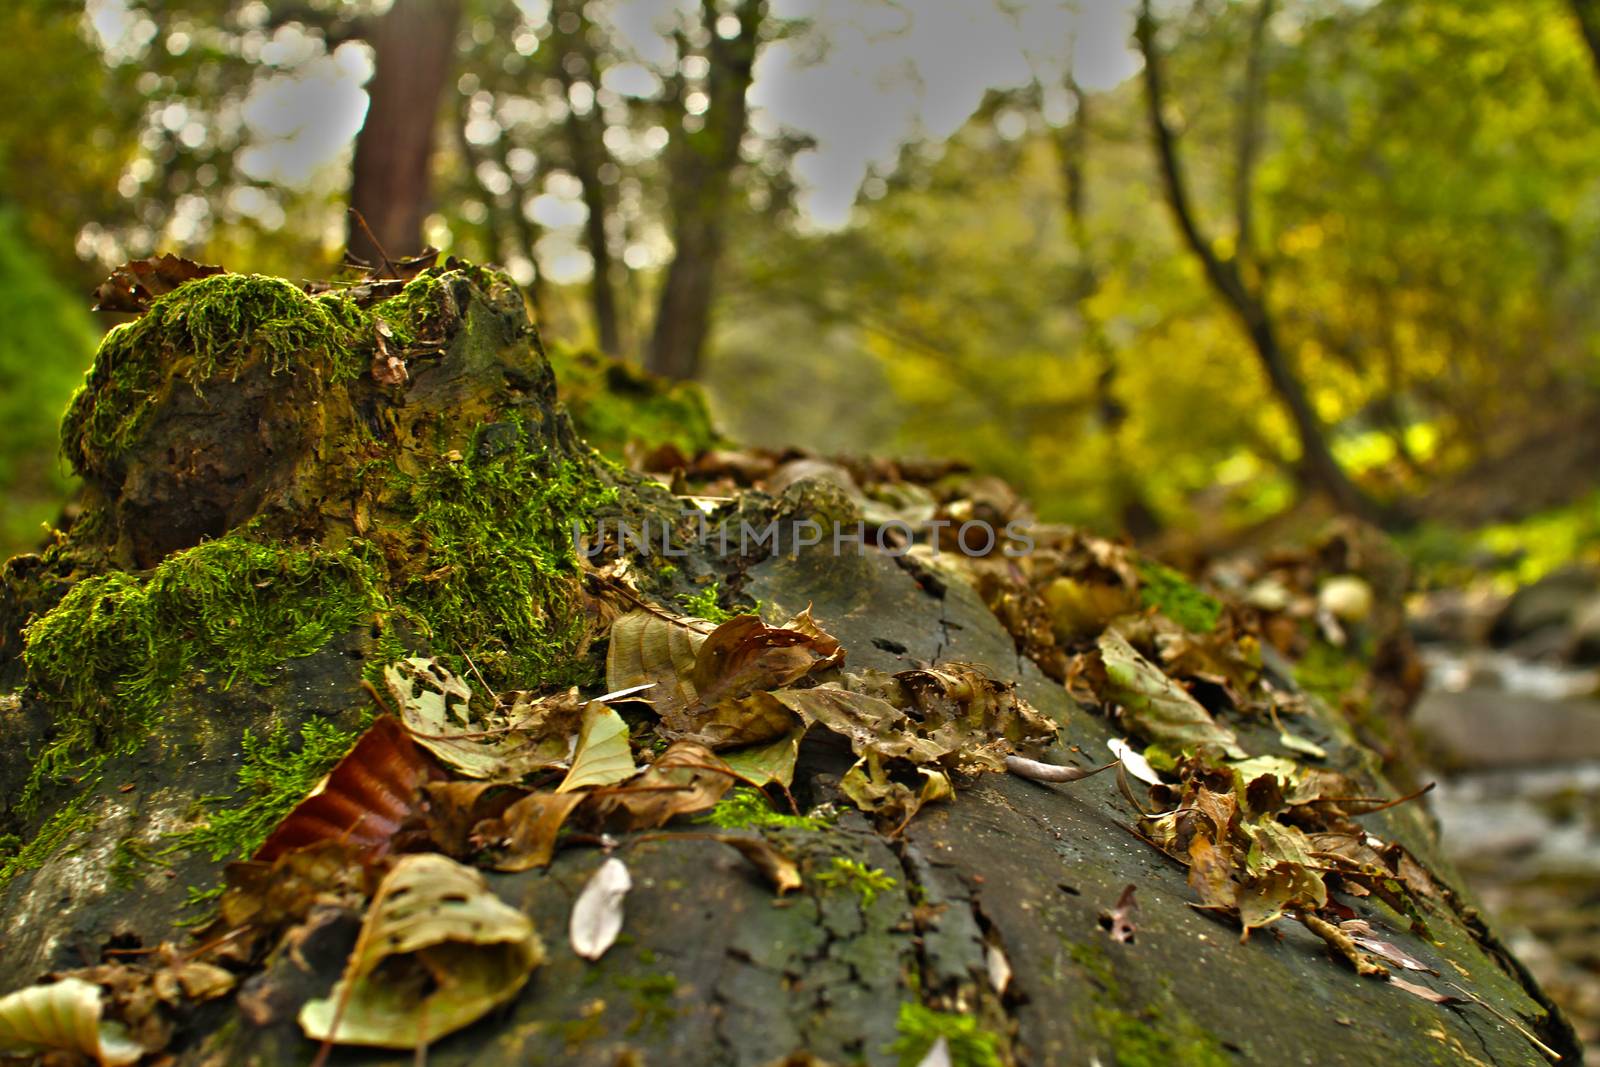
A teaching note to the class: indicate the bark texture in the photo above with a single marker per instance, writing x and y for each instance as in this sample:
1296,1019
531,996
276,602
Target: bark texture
413,56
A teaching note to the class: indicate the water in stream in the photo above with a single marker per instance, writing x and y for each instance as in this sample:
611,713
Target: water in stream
1516,751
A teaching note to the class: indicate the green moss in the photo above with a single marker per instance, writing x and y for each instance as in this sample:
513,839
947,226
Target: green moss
502,578
74,815
118,644
867,882
131,858
418,312
614,404
652,996
704,605
1328,673
920,1027
202,330
1177,598
748,809
1140,1042
277,773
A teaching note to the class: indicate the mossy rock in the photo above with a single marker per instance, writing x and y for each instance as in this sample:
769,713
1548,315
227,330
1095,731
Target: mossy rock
272,513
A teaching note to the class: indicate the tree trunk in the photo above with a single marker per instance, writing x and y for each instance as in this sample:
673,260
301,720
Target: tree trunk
1588,14
350,518
701,168
575,62
1319,469
413,56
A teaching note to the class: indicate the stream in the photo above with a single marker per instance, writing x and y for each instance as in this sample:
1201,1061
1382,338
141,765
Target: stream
1515,747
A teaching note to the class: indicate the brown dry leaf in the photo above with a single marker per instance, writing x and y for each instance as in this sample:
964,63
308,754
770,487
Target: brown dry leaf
1036,771
868,786
1362,934
503,745
685,779
1211,874
780,870
268,895
1266,897
362,801
456,808
1080,609
133,285
1119,920
437,951
965,710
647,647
736,722
872,726
528,829
1344,946
695,668
1433,996
64,1016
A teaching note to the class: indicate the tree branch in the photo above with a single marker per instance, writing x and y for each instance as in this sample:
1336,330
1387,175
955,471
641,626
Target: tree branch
1251,103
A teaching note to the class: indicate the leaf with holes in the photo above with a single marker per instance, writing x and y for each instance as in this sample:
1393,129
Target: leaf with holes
437,951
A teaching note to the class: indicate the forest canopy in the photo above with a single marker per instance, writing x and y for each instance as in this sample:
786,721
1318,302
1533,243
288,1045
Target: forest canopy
1397,199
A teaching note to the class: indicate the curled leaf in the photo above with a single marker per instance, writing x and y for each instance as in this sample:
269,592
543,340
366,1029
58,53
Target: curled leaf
685,779
1052,772
529,828
1133,761
362,801
133,285
780,870
506,743
597,914
760,765
1119,920
437,951
65,1016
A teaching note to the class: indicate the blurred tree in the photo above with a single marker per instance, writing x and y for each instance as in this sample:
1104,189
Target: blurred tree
1588,12
1237,278
413,51
708,129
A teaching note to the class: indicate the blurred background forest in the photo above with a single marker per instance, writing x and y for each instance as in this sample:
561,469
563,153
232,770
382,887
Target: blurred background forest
1200,271
1351,251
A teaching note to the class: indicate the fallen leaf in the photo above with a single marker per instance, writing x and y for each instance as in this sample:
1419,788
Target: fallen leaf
780,870
685,779
1431,995
1211,874
132,286
938,1055
648,648
362,801
869,787
1156,706
999,968
528,829
603,756
597,914
1119,921
437,951
1344,946
506,744
1362,934
760,765
66,1016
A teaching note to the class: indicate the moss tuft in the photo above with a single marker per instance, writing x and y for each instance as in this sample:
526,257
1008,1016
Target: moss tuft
275,776
202,330
920,1027
1138,1042
866,882
704,605
1177,598
748,809
116,646
614,404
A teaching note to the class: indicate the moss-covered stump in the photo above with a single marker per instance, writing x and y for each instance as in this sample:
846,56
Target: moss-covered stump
286,491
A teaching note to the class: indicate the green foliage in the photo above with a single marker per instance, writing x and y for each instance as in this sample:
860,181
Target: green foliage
45,344
275,776
748,809
866,882
1511,553
1177,598
1138,1042
969,1043
74,815
615,404
203,329
118,644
